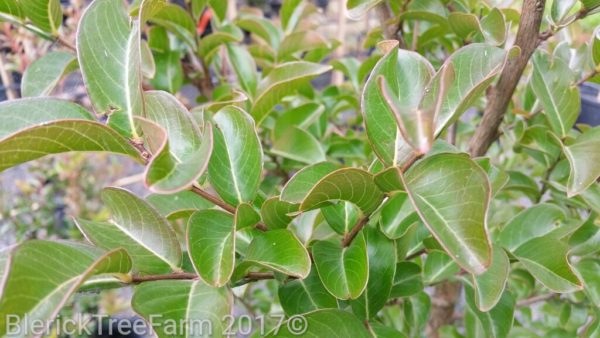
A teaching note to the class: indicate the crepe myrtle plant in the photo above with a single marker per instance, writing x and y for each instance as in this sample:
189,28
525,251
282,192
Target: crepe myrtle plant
372,207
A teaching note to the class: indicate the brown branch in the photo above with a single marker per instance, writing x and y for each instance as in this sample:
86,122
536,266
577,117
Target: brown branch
347,240
152,278
535,299
251,276
528,39
415,255
218,202
586,78
61,40
548,33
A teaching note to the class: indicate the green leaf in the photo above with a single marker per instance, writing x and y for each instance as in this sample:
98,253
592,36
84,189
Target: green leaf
42,275
357,8
173,306
546,259
11,8
489,286
560,9
590,4
298,187
493,27
438,267
211,245
43,75
344,271
36,127
281,251
244,66
177,205
282,81
169,73
407,74
451,193
583,156
341,217
275,213
407,280
292,11
397,216
301,42
347,184
304,295
302,117
245,216
552,83
261,28
428,10
181,153
109,55
465,25
382,268
498,321
235,166
175,19
530,223
589,271
210,44
416,313
45,14
136,226
299,145
220,8
323,323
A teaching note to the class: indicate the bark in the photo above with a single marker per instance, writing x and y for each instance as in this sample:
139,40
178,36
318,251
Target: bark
443,303
499,97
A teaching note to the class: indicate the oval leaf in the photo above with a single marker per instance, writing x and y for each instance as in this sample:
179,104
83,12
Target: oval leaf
490,285
281,251
38,300
304,295
583,156
344,271
325,323
42,76
211,245
36,127
451,193
139,228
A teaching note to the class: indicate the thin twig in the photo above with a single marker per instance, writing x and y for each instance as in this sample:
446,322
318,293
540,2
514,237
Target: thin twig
586,78
65,43
218,202
546,179
535,299
415,255
347,240
547,34
151,278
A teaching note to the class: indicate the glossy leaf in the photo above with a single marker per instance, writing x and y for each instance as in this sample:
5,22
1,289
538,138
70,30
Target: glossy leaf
497,322
174,206
549,267
275,213
244,66
169,73
382,268
583,156
341,217
438,267
175,19
298,187
43,75
325,323
111,63
301,117
304,295
236,163
407,74
299,42
343,271
530,223
493,27
282,81
211,244
281,251
137,227
451,193
45,14
36,127
397,216
299,145
589,272
181,153
560,9
489,286
552,83
347,184
32,289
173,306
407,280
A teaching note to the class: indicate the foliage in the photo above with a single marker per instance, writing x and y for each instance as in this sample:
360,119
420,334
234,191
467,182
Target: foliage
345,204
